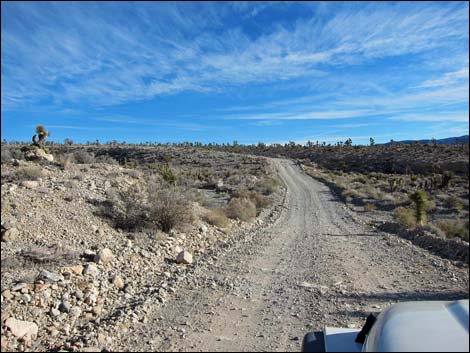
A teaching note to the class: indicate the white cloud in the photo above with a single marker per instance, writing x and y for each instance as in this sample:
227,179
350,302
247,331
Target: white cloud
448,79
456,117
108,54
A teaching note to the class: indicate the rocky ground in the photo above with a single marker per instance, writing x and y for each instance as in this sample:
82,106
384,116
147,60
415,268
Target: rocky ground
68,277
306,261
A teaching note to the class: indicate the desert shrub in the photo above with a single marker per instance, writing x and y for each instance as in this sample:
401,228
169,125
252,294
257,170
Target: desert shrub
453,203
133,173
169,208
268,185
83,157
419,199
167,173
394,183
374,193
431,206
261,201
106,159
405,217
29,173
217,218
455,229
446,180
368,207
6,155
435,230
241,208
151,205
360,179
64,160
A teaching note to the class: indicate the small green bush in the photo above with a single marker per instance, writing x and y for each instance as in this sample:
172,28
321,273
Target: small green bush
167,173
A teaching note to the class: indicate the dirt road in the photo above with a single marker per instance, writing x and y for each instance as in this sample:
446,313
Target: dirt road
317,264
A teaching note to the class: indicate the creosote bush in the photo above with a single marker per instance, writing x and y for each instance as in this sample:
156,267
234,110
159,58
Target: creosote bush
151,205
83,157
29,173
169,208
241,208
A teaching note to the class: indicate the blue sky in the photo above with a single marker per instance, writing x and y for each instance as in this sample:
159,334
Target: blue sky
224,71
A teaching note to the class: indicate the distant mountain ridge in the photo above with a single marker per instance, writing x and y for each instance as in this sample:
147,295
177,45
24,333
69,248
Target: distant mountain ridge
444,141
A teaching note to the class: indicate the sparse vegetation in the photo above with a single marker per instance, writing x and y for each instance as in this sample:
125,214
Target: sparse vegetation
32,172
405,217
419,199
241,208
217,218
455,229
369,207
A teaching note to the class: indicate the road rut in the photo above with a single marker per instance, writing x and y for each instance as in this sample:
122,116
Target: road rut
318,264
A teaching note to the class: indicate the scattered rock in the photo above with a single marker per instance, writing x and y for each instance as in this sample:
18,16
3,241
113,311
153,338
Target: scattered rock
203,228
7,294
90,269
75,311
10,234
47,276
184,257
104,256
118,282
25,330
38,154
18,286
65,306
29,184
54,312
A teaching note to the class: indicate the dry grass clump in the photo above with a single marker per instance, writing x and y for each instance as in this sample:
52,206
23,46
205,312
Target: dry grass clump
261,201
106,159
455,229
64,160
32,172
453,203
241,208
405,216
268,185
369,207
217,218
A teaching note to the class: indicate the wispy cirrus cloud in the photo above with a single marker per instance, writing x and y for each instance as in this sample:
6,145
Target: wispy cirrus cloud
106,54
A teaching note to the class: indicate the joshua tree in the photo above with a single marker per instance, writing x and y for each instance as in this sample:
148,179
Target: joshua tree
372,141
446,179
419,198
40,136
